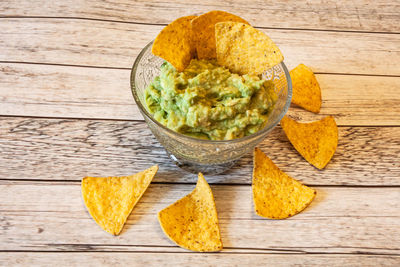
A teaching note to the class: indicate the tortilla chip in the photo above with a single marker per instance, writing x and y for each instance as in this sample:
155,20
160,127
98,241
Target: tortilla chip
245,50
175,43
204,31
276,195
192,221
306,90
315,141
110,200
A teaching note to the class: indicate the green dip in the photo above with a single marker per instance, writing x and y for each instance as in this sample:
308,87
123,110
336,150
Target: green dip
208,101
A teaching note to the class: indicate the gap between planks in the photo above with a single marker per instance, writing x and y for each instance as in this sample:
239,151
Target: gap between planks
140,120
77,182
122,68
164,24
195,259
257,252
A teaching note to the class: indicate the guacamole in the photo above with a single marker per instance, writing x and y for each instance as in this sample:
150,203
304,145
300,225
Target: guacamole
208,101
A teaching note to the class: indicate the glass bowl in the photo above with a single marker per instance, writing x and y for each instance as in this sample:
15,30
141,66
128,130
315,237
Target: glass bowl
198,155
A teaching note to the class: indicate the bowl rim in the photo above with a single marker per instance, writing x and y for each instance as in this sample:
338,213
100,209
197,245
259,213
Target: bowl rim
145,113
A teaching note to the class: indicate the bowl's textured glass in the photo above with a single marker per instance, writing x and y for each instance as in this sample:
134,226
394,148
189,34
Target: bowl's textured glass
193,154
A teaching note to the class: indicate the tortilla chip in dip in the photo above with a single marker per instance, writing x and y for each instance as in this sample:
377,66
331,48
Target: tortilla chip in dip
204,31
315,141
110,200
175,43
192,221
244,49
276,195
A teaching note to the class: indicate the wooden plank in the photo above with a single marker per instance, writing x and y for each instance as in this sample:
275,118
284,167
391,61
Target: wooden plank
191,259
51,216
356,100
66,149
363,15
62,91
110,44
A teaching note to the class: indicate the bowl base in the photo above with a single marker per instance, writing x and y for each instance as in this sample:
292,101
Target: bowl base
203,168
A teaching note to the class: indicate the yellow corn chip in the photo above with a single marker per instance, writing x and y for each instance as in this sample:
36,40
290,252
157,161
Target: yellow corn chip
192,221
245,50
276,195
110,200
315,141
204,31
175,43
306,90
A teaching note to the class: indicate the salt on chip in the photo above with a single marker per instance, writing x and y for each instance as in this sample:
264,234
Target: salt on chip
315,141
276,195
192,221
203,28
245,50
175,43
110,200
306,90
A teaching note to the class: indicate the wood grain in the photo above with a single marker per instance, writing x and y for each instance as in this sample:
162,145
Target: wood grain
190,259
60,91
66,149
63,91
354,220
110,44
83,52
363,15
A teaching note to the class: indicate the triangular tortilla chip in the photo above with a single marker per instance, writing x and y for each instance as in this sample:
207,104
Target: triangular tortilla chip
192,221
175,43
306,90
245,50
276,195
110,200
204,31
315,141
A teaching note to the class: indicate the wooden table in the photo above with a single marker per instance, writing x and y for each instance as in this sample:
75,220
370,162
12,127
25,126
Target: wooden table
67,112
